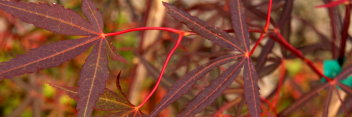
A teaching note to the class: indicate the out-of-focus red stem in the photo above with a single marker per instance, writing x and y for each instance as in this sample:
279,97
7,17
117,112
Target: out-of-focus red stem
344,32
332,4
226,106
162,70
298,54
281,79
270,105
266,27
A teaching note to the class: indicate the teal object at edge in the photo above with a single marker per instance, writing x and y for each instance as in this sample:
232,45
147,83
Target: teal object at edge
331,69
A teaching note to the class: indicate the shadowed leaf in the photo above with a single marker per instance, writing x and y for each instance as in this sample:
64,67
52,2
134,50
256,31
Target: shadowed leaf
93,78
328,101
204,29
52,17
45,57
215,89
183,85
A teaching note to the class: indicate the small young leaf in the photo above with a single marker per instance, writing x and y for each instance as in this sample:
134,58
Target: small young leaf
51,17
183,85
93,78
215,89
45,57
204,29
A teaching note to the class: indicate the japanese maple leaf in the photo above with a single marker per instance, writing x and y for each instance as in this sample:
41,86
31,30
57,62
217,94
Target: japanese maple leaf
240,48
60,20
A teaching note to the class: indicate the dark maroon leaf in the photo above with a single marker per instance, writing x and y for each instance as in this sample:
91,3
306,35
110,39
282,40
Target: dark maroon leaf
183,85
52,17
93,78
328,101
93,14
215,89
345,73
45,57
204,29
251,90
263,56
239,22
250,75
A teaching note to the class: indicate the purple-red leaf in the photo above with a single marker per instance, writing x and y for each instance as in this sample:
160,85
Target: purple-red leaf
250,75
52,17
93,14
45,57
239,22
183,85
108,101
93,78
251,90
215,89
204,29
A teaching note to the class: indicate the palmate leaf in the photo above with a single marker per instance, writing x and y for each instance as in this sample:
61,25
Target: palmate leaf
215,89
347,71
183,85
250,76
217,36
56,18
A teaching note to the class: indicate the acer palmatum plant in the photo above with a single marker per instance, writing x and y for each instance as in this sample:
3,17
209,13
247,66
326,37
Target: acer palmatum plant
232,90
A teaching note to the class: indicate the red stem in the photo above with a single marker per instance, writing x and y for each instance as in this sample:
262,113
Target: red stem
162,70
344,32
226,106
281,79
267,24
271,107
148,28
299,54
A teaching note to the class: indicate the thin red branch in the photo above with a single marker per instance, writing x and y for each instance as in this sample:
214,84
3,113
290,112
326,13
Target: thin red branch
344,32
299,54
149,28
266,27
332,4
281,79
162,70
